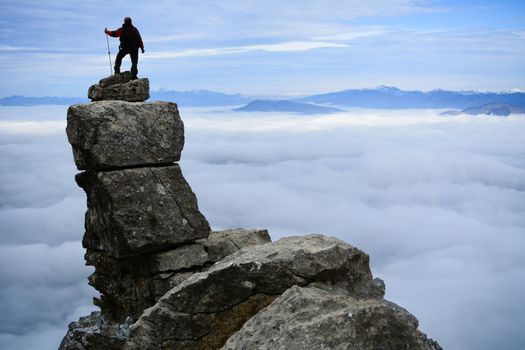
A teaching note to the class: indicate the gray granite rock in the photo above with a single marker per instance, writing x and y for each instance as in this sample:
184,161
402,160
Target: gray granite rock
207,308
140,210
220,244
94,332
181,258
166,282
129,285
161,283
120,78
115,134
323,316
311,292
120,87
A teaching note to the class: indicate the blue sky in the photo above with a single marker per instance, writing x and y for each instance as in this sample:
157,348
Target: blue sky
267,47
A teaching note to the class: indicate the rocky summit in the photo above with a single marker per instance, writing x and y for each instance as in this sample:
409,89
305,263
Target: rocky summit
120,87
166,281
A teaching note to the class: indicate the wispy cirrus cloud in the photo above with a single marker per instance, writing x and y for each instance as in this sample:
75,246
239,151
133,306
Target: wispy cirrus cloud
13,48
354,33
225,20
280,47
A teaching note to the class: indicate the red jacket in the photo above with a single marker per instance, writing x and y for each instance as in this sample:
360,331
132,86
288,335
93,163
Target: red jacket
137,40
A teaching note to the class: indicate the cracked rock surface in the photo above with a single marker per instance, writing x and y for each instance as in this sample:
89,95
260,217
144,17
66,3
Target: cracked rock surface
130,285
207,308
223,243
140,210
94,332
323,316
120,87
116,134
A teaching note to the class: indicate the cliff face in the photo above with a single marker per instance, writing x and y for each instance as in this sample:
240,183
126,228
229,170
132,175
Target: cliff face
168,282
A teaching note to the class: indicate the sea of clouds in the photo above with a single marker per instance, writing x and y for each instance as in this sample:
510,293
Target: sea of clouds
438,202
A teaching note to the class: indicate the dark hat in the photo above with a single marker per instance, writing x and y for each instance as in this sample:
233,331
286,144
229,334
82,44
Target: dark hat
127,20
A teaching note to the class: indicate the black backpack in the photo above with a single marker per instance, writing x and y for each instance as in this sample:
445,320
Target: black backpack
127,38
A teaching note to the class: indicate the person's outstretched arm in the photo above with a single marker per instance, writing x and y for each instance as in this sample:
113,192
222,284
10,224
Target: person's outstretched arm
113,33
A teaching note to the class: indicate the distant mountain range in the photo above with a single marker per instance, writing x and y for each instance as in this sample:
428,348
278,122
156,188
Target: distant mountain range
496,109
286,106
196,98
394,98
18,100
382,97
200,98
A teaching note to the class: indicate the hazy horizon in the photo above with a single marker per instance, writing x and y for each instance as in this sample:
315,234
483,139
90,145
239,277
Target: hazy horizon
292,95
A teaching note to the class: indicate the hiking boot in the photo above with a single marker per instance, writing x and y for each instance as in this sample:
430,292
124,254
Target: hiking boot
117,70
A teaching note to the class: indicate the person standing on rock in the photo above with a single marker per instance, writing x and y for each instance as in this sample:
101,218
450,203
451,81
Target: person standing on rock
130,42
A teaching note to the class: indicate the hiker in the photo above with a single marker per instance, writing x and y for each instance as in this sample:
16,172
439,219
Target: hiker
130,41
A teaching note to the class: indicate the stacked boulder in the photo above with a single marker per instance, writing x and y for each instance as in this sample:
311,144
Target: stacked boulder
168,282
120,87
144,231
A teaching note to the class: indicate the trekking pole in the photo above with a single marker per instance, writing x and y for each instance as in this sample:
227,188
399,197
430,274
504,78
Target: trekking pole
109,55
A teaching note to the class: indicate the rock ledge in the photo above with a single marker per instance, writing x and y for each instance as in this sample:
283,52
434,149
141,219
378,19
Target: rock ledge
120,87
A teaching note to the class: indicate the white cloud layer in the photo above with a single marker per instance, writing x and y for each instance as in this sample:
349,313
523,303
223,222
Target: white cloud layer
438,202
44,280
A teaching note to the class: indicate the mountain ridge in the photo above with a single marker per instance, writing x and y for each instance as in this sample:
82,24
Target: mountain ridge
394,98
382,97
20,100
494,109
286,106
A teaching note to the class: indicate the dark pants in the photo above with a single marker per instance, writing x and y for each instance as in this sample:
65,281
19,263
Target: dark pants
134,54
